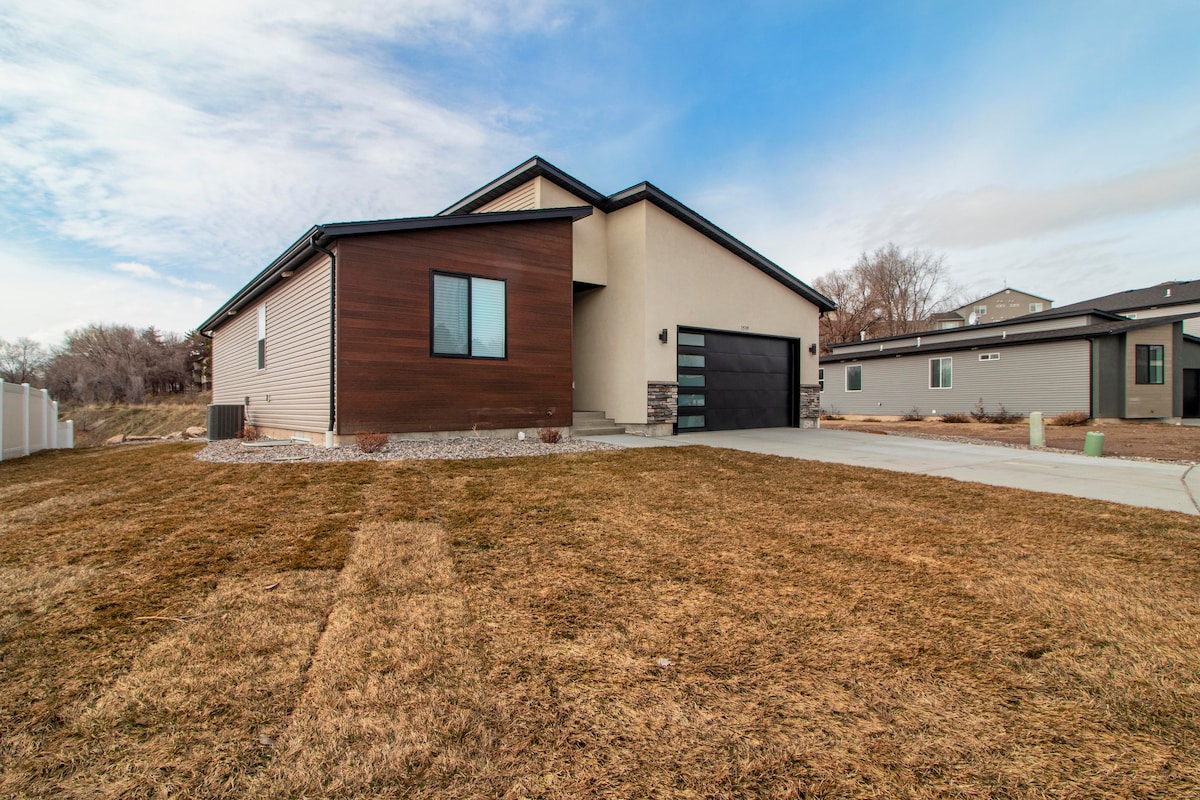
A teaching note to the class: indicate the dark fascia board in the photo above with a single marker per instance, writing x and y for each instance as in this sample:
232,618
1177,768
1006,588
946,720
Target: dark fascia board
537,166
305,247
1033,337
951,332
533,168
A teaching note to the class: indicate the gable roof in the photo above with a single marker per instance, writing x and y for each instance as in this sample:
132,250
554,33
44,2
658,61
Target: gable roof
539,167
1148,297
1000,292
318,236
1108,327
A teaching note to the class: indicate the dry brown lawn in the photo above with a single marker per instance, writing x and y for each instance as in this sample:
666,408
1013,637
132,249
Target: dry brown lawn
1148,440
679,622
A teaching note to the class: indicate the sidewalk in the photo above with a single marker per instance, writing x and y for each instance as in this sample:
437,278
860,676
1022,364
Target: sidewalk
1171,487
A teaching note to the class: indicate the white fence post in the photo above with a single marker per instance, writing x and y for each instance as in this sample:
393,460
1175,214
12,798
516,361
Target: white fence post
70,443
3,392
46,443
25,416
52,429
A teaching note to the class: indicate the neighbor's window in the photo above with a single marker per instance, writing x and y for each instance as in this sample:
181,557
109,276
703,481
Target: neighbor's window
469,316
854,378
1148,363
940,373
1035,308
980,311
262,337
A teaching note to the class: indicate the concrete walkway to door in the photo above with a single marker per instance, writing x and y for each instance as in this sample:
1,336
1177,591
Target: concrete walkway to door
1172,487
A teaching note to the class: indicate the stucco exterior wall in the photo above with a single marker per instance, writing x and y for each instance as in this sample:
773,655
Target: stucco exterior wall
609,351
292,392
694,282
590,243
1051,377
1150,400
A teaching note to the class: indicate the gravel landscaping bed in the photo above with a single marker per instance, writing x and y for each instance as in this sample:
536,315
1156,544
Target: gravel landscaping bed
235,452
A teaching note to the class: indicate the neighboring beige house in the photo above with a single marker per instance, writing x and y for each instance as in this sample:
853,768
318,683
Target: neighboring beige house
1168,299
528,302
1069,359
996,307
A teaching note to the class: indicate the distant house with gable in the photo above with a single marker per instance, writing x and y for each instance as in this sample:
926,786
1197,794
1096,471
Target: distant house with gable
996,307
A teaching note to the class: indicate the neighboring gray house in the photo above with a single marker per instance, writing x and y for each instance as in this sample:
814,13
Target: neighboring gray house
1102,363
996,307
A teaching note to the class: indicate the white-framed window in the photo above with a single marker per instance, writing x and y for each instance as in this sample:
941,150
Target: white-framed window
989,356
1035,308
854,377
980,311
941,373
262,336
821,378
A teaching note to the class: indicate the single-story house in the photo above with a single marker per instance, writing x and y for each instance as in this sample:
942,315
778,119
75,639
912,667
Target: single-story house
1104,364
530,299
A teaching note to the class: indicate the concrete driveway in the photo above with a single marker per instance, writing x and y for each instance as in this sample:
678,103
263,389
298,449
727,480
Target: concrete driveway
1135,483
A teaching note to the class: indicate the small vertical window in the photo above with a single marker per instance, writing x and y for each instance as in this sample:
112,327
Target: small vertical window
854,378
262,337
941,373
1149,363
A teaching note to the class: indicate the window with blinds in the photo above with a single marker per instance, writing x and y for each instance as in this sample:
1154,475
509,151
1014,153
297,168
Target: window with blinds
470,316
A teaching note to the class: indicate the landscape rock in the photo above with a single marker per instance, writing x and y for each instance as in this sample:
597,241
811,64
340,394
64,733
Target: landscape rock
120,437
143,438
195,432
173,435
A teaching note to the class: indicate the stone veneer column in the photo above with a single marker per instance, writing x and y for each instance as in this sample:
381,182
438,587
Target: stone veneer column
662,402
810,405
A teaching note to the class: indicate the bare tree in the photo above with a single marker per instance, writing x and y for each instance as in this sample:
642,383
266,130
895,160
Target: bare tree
117,364
22,361
886,293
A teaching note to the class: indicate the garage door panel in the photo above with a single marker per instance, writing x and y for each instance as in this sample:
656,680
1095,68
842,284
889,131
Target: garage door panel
733,381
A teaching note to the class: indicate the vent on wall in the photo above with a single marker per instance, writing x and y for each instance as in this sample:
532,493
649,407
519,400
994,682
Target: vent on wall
225,421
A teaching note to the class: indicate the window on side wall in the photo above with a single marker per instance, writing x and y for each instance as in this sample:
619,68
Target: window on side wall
262,337
854,377
941,373
981,311
1149,363
469,317
821,378
1035,308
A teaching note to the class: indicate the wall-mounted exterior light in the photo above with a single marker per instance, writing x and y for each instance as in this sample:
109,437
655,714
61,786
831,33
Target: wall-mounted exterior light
662,335
812,349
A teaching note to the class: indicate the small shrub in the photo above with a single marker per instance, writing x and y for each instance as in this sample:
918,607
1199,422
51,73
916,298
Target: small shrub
913,415
550,435
957,418
868,419
980,414
832,413
249,433
1003,417
1071,418
370,442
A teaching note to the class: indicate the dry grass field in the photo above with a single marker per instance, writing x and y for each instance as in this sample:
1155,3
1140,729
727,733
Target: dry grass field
1144,440
677,622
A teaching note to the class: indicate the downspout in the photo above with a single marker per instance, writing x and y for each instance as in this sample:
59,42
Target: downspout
332,337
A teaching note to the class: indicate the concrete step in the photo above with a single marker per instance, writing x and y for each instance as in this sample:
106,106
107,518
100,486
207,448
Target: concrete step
593,423
613,430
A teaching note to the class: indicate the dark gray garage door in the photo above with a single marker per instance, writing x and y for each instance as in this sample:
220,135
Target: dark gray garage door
730,381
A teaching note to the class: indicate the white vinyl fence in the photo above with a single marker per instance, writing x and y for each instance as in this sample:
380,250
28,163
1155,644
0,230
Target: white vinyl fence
29,422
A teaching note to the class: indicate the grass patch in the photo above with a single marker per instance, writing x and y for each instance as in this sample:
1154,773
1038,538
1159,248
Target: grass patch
650,623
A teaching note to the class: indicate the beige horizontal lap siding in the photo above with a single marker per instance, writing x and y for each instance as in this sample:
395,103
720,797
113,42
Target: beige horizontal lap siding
1052,377
522,198
296,377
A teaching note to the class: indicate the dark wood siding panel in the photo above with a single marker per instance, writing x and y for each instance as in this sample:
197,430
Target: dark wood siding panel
387,379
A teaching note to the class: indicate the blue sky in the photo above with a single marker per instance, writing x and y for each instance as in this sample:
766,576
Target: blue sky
155,156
